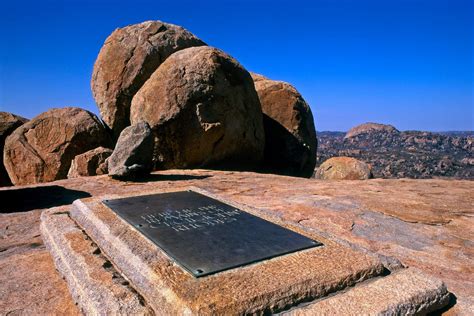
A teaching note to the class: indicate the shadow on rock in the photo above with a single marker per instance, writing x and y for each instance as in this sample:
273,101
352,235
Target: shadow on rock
27,199
452,301
169,177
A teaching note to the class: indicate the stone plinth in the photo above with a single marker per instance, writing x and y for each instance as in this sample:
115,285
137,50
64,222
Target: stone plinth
93,281
267,286
406,292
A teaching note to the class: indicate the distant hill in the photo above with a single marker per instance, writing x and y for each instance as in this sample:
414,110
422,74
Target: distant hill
403,154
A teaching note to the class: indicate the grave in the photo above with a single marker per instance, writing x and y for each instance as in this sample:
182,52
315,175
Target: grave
190,252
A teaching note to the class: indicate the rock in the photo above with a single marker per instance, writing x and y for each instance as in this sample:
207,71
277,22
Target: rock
127,59
8,123
90,163
30,282
133,152
370,127
42,149
290,136
343,168
204,111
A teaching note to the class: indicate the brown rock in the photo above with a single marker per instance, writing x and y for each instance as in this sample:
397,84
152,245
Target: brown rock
30,284
370,127
90,163
204,111
343,168
127,59
42,149
8,123
290,136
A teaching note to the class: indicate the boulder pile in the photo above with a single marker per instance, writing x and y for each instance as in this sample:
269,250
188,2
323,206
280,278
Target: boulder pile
163,93
42,149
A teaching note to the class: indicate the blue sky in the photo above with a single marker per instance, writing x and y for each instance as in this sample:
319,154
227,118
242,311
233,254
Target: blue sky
405,62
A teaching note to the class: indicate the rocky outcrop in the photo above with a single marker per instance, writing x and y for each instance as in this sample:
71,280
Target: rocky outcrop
133,152
343,168
290,136
90,163
42,149
410,154
8,123
204,111
370,128
127,59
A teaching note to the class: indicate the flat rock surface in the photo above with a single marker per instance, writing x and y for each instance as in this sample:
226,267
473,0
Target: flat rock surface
427,224
29,282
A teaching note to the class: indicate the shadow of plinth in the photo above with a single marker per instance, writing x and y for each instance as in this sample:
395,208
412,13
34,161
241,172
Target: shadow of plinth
27,199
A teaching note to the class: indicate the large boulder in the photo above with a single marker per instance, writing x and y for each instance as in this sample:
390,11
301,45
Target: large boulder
133,153
343,168
370,128
127,59
204,111
42,149
290,135
8,123
90,163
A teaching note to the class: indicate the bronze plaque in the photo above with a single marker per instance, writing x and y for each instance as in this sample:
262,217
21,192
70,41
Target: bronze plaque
204,235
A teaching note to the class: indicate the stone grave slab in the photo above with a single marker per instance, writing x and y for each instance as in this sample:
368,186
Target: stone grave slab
270,285
205,235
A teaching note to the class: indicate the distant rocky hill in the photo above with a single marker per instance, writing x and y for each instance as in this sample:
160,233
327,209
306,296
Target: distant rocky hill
396,154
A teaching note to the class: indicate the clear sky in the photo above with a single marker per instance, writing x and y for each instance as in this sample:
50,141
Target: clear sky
404,62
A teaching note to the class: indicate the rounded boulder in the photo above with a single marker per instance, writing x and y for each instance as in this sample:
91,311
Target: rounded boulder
90,163
42,149
204,111
343,168
127,59
290,135
8,123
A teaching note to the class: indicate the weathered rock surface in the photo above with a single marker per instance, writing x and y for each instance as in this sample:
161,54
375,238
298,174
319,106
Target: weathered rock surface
133,153
42,149
343,168
410,154
370,127
8,123
128,58
30,284
204,111
426,224
406,292
90,163
290,136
